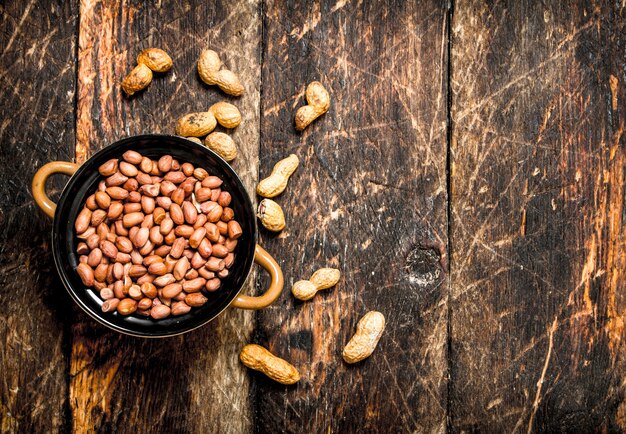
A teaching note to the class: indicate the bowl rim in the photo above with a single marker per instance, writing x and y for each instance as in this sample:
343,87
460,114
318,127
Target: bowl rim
59,261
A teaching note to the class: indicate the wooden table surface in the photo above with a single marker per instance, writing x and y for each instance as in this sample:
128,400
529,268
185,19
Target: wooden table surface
468,181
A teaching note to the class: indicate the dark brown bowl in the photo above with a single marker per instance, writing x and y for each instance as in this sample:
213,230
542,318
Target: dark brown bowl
84,182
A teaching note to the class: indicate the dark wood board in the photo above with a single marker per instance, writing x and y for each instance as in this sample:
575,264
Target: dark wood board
531,338
192,383
37,76
369,198
537,222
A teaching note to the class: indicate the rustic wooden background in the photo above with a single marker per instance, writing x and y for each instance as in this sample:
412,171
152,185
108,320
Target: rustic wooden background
468,181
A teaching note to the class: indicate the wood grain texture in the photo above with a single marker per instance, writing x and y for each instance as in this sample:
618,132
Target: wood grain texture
537,292
537,217
370,199
192,383
36,126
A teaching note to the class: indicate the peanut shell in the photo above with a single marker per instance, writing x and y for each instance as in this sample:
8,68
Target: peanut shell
138,79
155,59
271,215
369,329
209,65
258,358
276,183
227,115
196,124
222,144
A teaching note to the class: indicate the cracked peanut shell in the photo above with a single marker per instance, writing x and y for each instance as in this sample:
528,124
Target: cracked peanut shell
271,215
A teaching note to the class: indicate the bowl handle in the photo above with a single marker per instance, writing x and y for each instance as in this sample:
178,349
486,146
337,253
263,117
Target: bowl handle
266,261
39,183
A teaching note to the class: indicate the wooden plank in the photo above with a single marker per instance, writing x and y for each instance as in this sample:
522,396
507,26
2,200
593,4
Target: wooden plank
192,383
36,126
537,223
369,198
